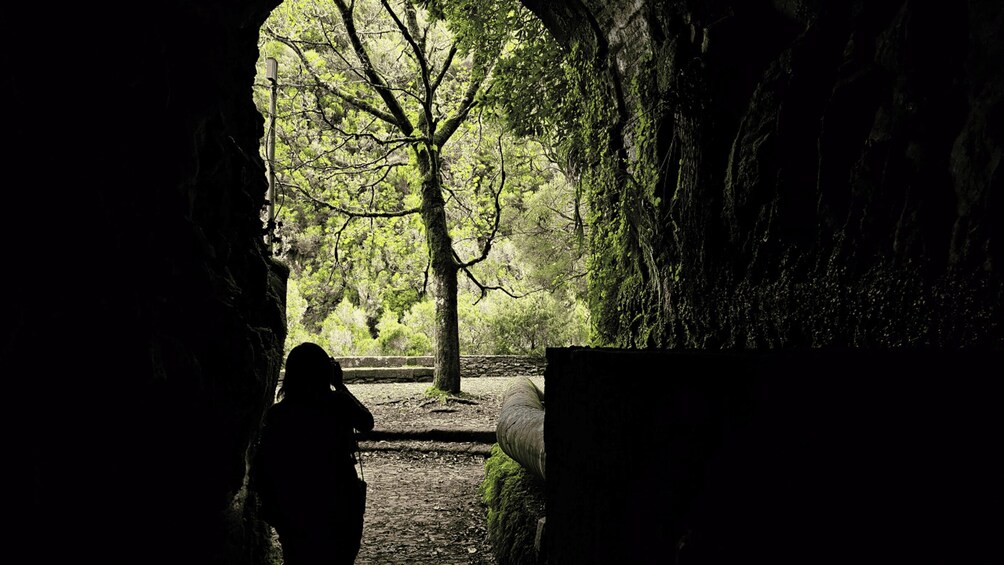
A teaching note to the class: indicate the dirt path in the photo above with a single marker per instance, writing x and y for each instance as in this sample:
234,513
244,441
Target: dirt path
424,508
424,505
423,502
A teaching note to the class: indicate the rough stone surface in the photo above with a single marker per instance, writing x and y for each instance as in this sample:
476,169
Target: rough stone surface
828,174
502,366
145,321
825,173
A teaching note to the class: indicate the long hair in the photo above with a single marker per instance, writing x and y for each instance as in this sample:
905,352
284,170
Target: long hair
308,372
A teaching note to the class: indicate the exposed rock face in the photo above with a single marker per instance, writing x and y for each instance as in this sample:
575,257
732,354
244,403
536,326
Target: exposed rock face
144,329
796,173
811,175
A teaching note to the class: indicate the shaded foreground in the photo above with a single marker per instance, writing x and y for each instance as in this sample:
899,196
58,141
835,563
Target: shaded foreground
424,508
423,502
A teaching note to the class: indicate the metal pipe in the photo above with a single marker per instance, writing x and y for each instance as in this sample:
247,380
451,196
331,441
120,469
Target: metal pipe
520,429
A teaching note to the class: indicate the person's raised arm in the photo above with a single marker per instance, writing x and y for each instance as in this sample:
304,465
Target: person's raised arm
359,415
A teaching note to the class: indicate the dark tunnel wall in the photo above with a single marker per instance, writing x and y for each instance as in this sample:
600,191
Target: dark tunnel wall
144,324
794,173
771,456
820,175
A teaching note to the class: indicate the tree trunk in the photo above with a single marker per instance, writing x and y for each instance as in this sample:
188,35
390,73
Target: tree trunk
446,374
447,345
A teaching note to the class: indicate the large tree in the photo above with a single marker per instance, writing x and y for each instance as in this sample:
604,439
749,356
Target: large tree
381,89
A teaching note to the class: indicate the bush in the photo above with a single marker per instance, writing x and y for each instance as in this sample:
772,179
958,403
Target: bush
345,332
496,325
396,338
296,306
529,325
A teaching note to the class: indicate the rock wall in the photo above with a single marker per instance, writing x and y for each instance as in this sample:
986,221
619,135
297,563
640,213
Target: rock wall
781,174
501,366
780,456
134,244
793,173
471,366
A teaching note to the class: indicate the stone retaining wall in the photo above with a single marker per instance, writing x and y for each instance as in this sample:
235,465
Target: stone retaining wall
375,368
470,365
501,366
385,361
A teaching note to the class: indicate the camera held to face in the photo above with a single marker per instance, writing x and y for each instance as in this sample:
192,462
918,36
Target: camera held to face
336,373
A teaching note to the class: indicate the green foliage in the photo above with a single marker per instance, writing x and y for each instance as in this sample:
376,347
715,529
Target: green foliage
528,82
421,318
345,332
483,27
571,98
528,325
502,325
296,307
396,338
358,269
584,121
496,325
515,501
532,94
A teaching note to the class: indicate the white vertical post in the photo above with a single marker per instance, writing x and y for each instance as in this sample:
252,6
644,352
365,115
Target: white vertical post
271,73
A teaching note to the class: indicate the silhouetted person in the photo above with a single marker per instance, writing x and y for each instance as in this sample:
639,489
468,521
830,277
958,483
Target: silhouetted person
304,468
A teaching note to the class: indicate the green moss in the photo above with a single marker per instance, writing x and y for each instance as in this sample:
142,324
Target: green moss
439,394
615,138
444,396
515,502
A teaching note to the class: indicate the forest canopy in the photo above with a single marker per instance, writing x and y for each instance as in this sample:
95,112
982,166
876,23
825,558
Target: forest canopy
389,114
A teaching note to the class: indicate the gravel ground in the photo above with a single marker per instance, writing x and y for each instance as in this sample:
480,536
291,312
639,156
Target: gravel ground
423,501
406,407
424,508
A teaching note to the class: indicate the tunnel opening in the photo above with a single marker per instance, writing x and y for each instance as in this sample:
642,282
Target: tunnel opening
145,326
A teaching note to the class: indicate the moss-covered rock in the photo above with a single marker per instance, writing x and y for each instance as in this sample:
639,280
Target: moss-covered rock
515,501
786,174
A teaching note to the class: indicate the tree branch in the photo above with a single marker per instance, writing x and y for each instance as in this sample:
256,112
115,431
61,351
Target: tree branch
484,288
377,82
355,213
338,241
450,126
412,15
340,93
423,64
486,249
446,67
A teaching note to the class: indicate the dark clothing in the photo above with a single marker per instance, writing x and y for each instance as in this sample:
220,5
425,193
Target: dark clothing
305,477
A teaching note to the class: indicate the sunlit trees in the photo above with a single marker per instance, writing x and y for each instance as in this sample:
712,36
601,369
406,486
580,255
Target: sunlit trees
377,93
